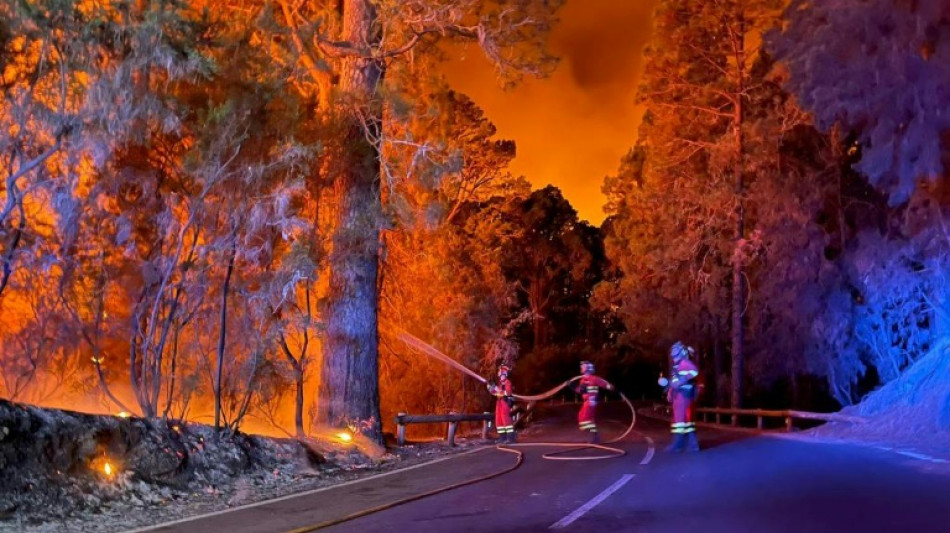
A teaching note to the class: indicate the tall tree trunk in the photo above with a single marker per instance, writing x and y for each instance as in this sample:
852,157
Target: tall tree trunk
538,331
172,374
298,405
12,192
718,363
738,286
536,301
223,335
349,385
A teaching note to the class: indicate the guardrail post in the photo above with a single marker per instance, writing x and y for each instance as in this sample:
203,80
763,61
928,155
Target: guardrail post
788,423
486,425
735,419
400,430
719,418
758,422
453,426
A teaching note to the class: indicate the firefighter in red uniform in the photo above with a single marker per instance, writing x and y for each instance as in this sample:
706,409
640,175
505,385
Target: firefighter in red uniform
589,387
503,403
681,392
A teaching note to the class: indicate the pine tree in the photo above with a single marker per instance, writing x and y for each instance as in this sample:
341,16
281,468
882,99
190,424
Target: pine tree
347,49
697,78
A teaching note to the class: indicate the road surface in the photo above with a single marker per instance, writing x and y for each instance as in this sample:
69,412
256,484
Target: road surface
740,482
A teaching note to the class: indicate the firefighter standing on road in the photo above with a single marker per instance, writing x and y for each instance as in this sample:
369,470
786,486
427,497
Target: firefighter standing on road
503,403
682,391
589,387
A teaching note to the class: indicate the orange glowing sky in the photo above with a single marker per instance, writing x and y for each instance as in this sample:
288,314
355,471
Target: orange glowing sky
571,129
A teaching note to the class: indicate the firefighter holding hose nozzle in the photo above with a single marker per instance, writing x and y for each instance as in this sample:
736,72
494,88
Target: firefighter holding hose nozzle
589,387
681,391
503,404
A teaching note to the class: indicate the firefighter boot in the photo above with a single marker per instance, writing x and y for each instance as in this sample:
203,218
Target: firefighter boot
511,438
678,443
692,445
594,437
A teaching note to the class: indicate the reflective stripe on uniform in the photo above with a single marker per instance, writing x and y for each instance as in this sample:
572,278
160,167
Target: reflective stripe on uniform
682,427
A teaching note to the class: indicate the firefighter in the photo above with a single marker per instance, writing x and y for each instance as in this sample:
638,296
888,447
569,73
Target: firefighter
503,404
589,387
682,390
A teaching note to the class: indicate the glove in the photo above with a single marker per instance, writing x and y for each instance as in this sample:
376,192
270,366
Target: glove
663,382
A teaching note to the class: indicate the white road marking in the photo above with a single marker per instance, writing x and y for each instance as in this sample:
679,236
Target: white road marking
920,456
650,451
583,509
845,442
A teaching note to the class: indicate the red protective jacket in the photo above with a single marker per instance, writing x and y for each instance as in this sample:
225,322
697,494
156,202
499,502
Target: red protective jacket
502,392
683,390
589,387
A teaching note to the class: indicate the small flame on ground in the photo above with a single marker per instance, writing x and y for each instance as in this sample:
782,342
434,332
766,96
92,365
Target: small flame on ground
124,414
106,467
344,436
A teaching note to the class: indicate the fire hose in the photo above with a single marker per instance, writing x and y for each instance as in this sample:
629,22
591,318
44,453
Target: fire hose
612,452
427,349
415,497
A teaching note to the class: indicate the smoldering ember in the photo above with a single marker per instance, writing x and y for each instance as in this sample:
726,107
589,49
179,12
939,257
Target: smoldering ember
474,265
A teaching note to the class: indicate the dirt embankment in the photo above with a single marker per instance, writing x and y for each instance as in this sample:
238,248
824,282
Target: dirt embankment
67,471
913,411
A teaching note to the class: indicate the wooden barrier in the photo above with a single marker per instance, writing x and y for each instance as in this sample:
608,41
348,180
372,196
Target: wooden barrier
452,419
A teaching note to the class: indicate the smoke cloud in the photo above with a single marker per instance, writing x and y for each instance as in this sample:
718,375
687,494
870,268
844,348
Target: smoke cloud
572,128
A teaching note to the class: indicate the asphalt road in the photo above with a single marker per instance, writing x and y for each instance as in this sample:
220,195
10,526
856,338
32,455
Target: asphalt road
738,483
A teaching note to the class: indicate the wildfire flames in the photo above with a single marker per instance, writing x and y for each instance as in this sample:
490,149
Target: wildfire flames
105,467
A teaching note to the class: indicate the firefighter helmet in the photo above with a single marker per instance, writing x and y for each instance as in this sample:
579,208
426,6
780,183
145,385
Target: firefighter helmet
680,351
503,371
587,367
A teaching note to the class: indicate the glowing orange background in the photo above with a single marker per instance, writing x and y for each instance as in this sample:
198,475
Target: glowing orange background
572,128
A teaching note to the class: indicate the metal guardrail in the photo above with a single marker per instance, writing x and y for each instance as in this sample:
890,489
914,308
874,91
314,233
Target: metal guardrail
760,414
716,415
452,419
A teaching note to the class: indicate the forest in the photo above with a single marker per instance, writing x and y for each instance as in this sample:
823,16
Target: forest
221,211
